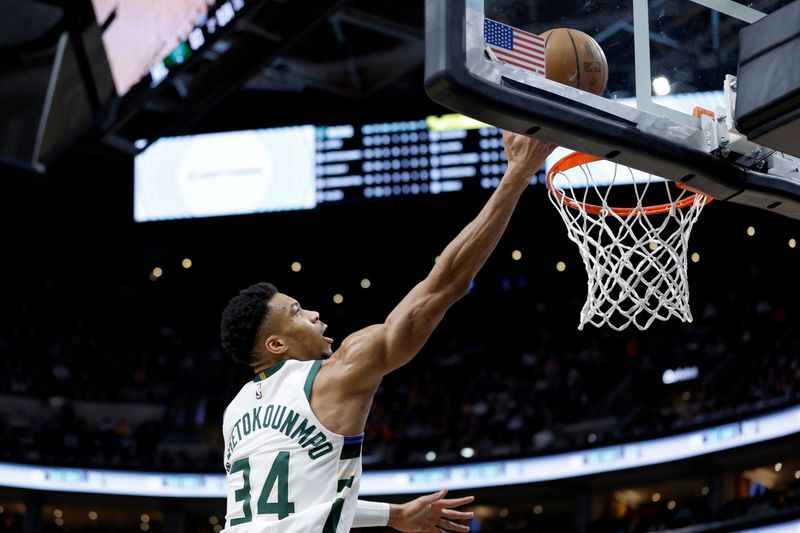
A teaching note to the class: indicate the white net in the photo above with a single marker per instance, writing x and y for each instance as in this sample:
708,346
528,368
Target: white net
635,258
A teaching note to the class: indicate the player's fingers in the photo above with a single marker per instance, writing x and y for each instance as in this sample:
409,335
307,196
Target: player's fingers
447,525
456,502
457,515
430,498
549,148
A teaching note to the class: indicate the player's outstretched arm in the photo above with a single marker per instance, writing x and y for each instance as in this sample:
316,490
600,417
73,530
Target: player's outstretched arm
421,515
377,350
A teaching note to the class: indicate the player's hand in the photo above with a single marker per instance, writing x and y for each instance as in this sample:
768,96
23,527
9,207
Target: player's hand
430,514
525,153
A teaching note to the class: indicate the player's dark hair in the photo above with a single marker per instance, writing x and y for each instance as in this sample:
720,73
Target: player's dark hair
242,319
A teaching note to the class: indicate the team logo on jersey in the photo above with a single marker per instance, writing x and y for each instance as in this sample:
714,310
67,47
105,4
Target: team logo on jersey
259,394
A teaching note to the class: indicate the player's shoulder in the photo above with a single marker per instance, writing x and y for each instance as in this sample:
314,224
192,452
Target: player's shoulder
357,351
354,341
279,379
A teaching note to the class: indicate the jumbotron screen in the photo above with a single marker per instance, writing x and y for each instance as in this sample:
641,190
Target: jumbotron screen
229,173
145,39
301,167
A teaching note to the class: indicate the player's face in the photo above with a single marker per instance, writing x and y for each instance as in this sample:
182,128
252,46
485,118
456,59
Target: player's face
301,328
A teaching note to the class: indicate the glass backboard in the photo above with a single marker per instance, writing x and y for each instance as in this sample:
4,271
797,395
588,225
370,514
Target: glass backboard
668,106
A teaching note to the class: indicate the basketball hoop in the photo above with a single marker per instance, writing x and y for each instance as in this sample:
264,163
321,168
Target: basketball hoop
635,257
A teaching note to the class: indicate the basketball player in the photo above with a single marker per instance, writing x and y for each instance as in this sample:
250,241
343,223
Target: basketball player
293,435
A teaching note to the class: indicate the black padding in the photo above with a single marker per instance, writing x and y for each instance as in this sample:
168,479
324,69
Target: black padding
768,89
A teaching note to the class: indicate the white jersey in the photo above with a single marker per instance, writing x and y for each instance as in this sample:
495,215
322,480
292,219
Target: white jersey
285,470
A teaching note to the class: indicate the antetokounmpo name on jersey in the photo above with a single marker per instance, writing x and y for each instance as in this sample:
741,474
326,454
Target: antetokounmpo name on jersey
284,420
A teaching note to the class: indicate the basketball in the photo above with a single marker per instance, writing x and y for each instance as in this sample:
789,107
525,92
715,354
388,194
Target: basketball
575,59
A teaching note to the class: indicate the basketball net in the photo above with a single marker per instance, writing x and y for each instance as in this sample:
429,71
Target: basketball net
635,257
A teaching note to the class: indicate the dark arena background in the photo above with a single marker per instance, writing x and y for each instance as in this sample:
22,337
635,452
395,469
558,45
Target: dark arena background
113,381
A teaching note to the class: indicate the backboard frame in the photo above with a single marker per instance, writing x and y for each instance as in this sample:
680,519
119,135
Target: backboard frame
592,124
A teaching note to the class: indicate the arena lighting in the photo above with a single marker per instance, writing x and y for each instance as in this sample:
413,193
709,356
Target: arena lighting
778,467
58,513
751,231
685,373
430,479
92,515
656,496
796,476
661,86
59,521
466,453
430,456
158,272
338,298
537,509
186,263
365,283
144,526
695,257
145,518
296,267
453,121
516,255
503,512
561,266
792,243
671,505
786,527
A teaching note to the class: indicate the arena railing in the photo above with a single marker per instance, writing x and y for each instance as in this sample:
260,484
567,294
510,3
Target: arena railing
744,432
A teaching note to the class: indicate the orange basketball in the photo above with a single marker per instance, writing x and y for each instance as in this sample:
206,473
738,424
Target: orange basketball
575,59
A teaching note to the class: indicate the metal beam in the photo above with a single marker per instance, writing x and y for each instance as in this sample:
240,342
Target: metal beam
349,63
240,64
407,58
356,17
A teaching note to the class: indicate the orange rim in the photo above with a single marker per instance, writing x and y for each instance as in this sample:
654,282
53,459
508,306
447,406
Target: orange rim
576,159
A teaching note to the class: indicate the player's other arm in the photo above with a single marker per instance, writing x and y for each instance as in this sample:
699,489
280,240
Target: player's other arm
423,514
377,350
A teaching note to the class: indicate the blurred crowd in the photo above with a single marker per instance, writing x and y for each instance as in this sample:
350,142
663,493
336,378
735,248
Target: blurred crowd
762,506
96,383
775,505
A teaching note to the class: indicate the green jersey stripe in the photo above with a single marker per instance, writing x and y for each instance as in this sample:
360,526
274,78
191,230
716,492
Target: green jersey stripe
310,379
264,374
351,451
344,483
333,517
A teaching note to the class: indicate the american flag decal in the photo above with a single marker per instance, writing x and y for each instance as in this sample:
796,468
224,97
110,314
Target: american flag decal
515,47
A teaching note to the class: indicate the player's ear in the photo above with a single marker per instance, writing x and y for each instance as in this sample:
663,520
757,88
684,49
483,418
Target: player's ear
275,345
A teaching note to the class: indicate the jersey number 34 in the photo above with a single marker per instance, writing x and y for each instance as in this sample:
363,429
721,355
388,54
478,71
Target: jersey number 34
278,473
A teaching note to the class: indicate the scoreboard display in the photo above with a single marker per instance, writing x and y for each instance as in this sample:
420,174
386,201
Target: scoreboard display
432,156
267,170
